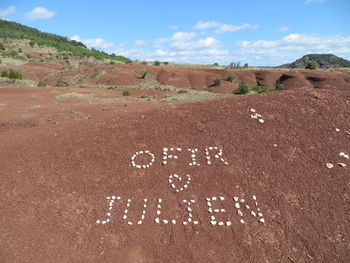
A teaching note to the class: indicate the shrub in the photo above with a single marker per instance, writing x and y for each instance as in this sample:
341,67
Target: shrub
259,89
112,62
311,65
12,75
243,88
126,93
230,78
4,74
31,43
143,96
20,50
2,46
156,63
217,82
143,74
10,53
58,84
280,87
41,84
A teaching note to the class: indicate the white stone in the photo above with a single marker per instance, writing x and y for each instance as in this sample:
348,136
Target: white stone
242,221
252,110
261,121
228,223
239,212
342,164
221,223
165,221
329,165
236,198
213,223
262,220
337,130
157,220
237,205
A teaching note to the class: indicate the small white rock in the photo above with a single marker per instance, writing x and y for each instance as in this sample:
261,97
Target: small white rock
252,110
261,121
329,165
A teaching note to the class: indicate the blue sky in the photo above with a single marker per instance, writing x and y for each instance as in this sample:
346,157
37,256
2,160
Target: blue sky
258,32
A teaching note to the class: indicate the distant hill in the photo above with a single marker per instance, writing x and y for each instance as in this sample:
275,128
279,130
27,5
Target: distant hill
322,61
14,30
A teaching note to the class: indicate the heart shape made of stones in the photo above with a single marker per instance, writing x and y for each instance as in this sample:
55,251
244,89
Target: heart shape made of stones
179,178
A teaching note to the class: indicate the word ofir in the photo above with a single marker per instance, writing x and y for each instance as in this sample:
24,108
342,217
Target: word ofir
170,153
240,205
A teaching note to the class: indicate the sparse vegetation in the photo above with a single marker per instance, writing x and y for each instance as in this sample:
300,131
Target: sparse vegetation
10,53
41,84
156,63
14,30
230,78
19,50
245,88
217,82
12,75
2,46
280,87
126,93
143,74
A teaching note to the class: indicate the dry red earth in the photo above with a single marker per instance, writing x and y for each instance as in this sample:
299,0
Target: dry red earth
60,159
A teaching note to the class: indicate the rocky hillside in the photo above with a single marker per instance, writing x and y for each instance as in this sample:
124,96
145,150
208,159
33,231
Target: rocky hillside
322,61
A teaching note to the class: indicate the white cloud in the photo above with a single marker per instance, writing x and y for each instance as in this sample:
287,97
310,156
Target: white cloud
284,29
294,46
208,42
39,13
179,36
140,42
173,27
223,28
206,24
7,11
94,42
314,1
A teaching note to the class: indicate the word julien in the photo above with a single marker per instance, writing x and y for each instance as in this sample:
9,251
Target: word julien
170,153
241,207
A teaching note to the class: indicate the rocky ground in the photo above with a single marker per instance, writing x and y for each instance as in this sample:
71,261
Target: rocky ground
85,176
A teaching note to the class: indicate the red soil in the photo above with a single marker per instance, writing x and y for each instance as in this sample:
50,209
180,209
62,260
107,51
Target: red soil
55,177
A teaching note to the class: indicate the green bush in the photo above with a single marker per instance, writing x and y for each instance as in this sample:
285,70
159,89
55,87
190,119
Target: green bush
4,74
58,84
280,87
19,50
2,46
143,74
112,62
31,43
156,63
41,84
12,75
311,65
217,82
126,93
10,53
243,88
259,89
230,78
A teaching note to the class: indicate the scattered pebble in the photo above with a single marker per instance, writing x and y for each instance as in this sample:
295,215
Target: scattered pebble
342,164
329,165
